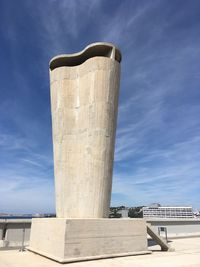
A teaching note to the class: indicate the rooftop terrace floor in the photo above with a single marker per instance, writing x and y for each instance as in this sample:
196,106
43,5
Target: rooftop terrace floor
187,254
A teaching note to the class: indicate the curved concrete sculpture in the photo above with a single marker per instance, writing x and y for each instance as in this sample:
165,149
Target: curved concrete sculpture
84,102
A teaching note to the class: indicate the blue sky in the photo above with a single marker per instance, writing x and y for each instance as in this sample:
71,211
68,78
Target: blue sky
157,156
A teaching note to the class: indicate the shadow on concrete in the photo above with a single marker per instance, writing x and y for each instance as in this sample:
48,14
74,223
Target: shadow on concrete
10,248
152,242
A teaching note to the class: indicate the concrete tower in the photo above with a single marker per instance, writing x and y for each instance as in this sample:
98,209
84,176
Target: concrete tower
84,103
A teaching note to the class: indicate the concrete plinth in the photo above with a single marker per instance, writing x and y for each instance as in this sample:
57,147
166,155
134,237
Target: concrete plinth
70,240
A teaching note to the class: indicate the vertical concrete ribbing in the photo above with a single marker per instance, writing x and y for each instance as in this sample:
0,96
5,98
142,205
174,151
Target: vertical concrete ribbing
84,103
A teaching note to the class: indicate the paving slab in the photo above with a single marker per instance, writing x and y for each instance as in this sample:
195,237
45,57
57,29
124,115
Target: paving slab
186,254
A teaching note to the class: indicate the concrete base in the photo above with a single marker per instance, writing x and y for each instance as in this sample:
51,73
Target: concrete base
69,240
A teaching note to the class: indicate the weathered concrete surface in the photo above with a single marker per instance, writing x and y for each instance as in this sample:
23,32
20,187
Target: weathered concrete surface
187,254
68,240
84,102
175,228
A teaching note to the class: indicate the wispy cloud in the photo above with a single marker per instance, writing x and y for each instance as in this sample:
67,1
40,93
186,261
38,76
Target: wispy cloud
157,155
26,178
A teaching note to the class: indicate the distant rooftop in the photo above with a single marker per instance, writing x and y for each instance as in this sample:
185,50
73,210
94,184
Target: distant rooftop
168,212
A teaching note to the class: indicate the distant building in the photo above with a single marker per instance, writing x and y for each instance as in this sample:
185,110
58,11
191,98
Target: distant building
123,212
167,212
119,212
197,214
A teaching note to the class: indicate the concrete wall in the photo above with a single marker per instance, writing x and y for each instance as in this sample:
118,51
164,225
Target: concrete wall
177,227
12,232
13,229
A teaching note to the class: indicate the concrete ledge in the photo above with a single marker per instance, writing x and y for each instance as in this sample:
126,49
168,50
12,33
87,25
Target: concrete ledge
105,256
93,50
71,240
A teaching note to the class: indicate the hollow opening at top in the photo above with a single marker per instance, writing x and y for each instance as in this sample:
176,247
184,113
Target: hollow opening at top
93,50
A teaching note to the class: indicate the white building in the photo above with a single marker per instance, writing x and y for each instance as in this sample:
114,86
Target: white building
167,212
123,212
